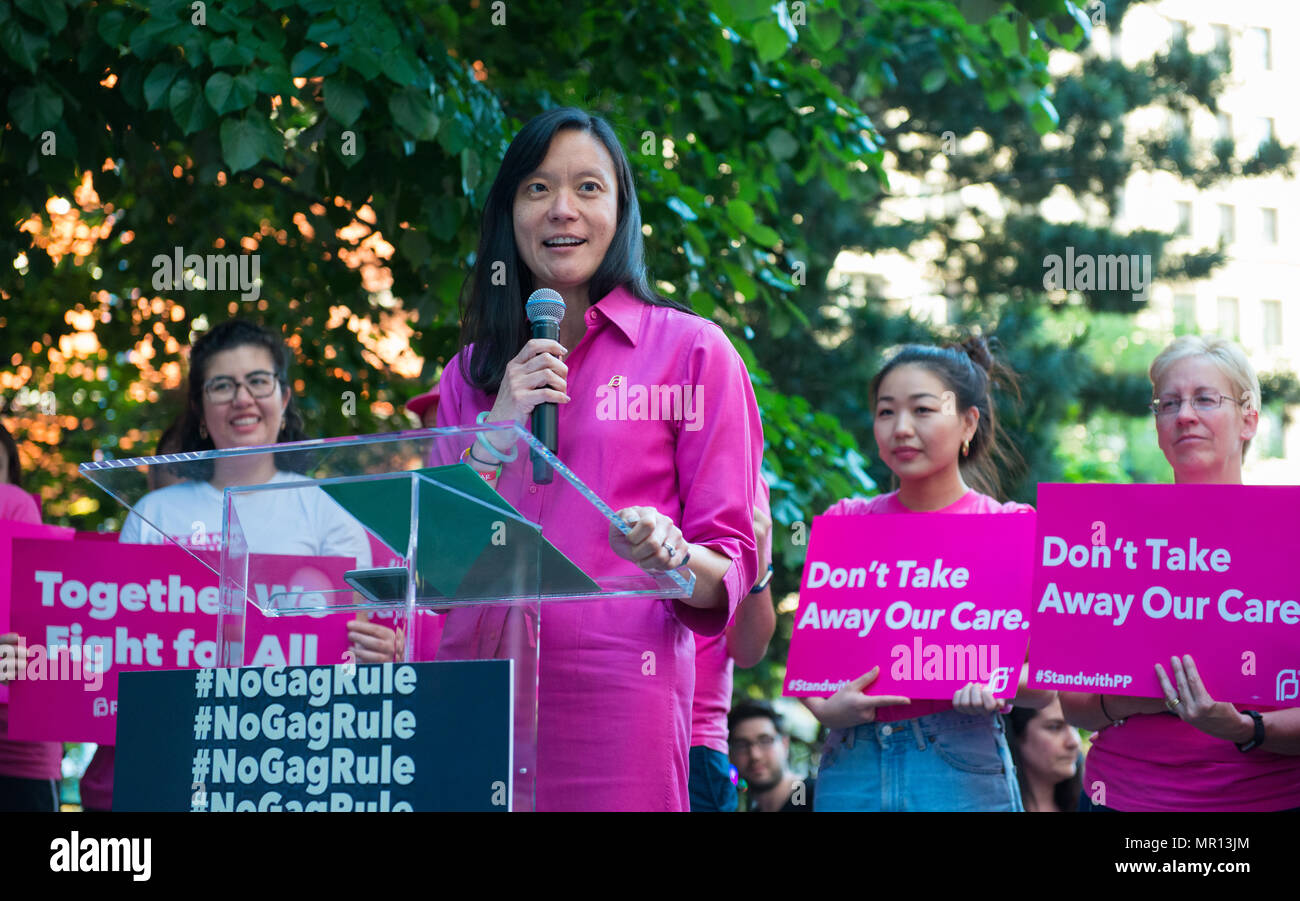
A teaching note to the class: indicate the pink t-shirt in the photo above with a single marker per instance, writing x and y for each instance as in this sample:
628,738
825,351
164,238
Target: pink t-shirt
714,666
617,676
18,505
1156,762
970,502
24,759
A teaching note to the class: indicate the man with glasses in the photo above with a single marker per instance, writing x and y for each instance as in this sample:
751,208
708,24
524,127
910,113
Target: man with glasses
760,750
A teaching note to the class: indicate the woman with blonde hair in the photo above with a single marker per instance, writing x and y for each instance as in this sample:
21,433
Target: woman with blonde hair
1186,751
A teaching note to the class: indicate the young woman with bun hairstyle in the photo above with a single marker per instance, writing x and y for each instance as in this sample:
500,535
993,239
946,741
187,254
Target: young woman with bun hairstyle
937,431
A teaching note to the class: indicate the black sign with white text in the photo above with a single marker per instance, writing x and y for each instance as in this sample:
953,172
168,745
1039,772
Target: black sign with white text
350,737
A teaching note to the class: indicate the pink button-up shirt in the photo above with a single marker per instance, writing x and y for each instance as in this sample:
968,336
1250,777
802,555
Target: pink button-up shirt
617,676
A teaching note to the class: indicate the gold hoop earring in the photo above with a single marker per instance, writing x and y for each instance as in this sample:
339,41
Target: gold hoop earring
965,448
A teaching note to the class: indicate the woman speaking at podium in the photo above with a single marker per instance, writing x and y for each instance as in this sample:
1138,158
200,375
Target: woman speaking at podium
237,395
616,676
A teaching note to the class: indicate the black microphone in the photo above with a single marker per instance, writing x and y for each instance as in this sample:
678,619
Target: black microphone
545,311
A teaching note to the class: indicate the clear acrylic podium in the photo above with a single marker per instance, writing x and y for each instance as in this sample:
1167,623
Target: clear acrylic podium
433,547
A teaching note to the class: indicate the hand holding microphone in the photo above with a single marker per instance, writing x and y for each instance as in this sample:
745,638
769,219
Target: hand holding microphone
534,381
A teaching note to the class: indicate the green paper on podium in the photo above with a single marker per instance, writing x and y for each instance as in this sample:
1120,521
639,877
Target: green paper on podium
492,551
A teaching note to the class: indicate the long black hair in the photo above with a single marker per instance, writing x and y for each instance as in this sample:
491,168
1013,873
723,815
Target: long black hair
15,474
1066,792
492,308
969,370
227,336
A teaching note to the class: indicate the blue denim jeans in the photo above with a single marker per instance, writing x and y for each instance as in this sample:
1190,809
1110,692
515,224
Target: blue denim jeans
945,761
710,785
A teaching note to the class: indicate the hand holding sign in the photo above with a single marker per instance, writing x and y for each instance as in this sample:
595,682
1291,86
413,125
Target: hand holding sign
372,642
13,655
849,707
976,699
1194,706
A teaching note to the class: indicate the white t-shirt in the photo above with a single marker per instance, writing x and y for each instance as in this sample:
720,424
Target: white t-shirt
301,521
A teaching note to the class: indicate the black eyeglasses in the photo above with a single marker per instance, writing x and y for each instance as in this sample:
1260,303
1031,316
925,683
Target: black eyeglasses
222,389
1203,402
763,743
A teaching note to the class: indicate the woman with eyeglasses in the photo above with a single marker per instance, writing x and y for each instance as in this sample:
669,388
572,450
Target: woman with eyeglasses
1186,751
238,396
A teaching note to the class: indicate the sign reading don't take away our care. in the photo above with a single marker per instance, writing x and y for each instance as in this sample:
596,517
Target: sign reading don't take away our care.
935,600
1128,575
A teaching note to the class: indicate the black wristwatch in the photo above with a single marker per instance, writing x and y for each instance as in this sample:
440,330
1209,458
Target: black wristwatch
762,583
1258,738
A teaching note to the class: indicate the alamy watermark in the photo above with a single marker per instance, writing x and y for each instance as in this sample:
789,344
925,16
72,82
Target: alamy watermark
674,403
1098,272
216,271
78,854
56,663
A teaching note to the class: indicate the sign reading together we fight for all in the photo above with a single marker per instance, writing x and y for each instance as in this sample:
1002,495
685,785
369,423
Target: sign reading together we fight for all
936,601
89,610
1127,576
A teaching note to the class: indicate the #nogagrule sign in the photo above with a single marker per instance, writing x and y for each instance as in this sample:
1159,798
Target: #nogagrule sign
349,737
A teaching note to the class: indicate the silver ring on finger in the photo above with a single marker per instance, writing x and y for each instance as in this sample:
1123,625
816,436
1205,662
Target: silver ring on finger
672,551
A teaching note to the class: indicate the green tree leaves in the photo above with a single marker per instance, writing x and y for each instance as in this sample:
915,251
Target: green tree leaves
35,109
344,100
415,113
245,142
227,94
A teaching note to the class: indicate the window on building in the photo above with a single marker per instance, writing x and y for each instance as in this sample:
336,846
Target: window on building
1221,39
1184,227
1272,323
1258,50
1261,133
1227,223
1268,225
1184,314
1229,318
1271,438
1225,126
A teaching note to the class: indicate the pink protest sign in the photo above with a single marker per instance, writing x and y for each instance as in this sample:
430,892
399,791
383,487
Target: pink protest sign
9,530
140,607
936,601
1126,576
